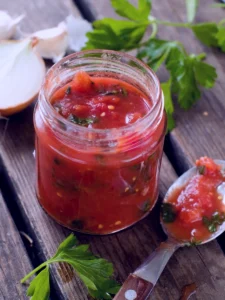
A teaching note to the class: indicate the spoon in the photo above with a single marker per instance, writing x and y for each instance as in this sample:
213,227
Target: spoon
140,284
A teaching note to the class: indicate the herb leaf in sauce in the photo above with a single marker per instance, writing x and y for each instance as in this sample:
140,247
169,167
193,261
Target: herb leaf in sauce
213,222
193,242
56,161
81,121
201,170
96,273
68,90
168,212
145,206
77,224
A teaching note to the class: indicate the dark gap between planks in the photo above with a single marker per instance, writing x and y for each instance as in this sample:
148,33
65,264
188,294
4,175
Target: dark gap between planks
11,200
181,164
85,11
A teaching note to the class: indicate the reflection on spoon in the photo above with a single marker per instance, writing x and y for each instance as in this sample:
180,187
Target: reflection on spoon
193,212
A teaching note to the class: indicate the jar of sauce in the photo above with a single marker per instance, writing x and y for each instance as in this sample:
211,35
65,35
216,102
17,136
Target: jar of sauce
100,127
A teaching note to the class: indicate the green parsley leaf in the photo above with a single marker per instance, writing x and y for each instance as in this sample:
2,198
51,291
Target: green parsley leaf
206,33
95,272
81,121
191,7
156,52
221,37
125,9
116,34
41,280
168,213
222,5
187,75
205,74
168,102
213,222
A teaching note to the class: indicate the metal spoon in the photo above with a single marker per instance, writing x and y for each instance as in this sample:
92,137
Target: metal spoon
139,284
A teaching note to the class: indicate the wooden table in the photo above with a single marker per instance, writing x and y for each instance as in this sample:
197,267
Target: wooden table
196,134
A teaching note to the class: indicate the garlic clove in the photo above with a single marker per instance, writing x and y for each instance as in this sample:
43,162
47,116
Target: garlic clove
52,42
8,25
77,29
21,74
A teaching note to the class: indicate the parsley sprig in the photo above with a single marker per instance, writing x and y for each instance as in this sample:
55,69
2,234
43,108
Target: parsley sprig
96,273
188,73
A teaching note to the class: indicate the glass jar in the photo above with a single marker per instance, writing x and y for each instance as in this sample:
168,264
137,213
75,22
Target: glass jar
99,181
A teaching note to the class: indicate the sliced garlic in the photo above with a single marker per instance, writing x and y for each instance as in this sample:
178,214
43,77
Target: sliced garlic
52,42
8,25
21,74
77,29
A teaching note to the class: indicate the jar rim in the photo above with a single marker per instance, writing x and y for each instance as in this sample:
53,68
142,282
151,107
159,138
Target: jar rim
159,95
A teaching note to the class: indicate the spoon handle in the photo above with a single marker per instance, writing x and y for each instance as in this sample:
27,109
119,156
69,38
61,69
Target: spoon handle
139,285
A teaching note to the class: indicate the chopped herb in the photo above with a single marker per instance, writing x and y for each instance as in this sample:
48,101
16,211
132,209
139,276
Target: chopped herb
168,212
145,206
109,93
77,224
63,184
213,222
124,91
136,167
81,121
56,161
96,273
117,90
68,90
62,125
100,159
201,170
193,242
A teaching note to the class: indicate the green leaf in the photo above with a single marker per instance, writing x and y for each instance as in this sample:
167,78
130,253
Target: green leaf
184,84
125,9
156,52
205,74
168,213
168,102
115,34
40,287
95,272
191,7
206,33
68,243
212,223
81,121
222,5
220,36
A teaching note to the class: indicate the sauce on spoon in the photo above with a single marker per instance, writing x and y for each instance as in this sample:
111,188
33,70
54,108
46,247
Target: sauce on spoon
194,211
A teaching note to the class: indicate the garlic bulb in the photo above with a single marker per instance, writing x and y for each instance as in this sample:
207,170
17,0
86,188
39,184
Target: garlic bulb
77,29
52,42
8,25
21,74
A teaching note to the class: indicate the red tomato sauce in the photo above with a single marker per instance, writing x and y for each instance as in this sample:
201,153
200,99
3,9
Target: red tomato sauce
197,208
90,191
100,102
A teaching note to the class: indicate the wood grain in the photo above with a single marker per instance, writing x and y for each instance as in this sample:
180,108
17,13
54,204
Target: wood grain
14,262
126,249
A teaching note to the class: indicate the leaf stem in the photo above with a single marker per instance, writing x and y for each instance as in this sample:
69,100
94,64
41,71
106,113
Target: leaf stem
167,23
34,271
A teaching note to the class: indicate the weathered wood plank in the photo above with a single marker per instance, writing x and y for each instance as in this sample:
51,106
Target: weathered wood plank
14,261
122,249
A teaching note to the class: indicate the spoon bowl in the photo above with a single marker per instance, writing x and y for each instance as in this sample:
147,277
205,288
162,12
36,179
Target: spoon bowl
181,182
